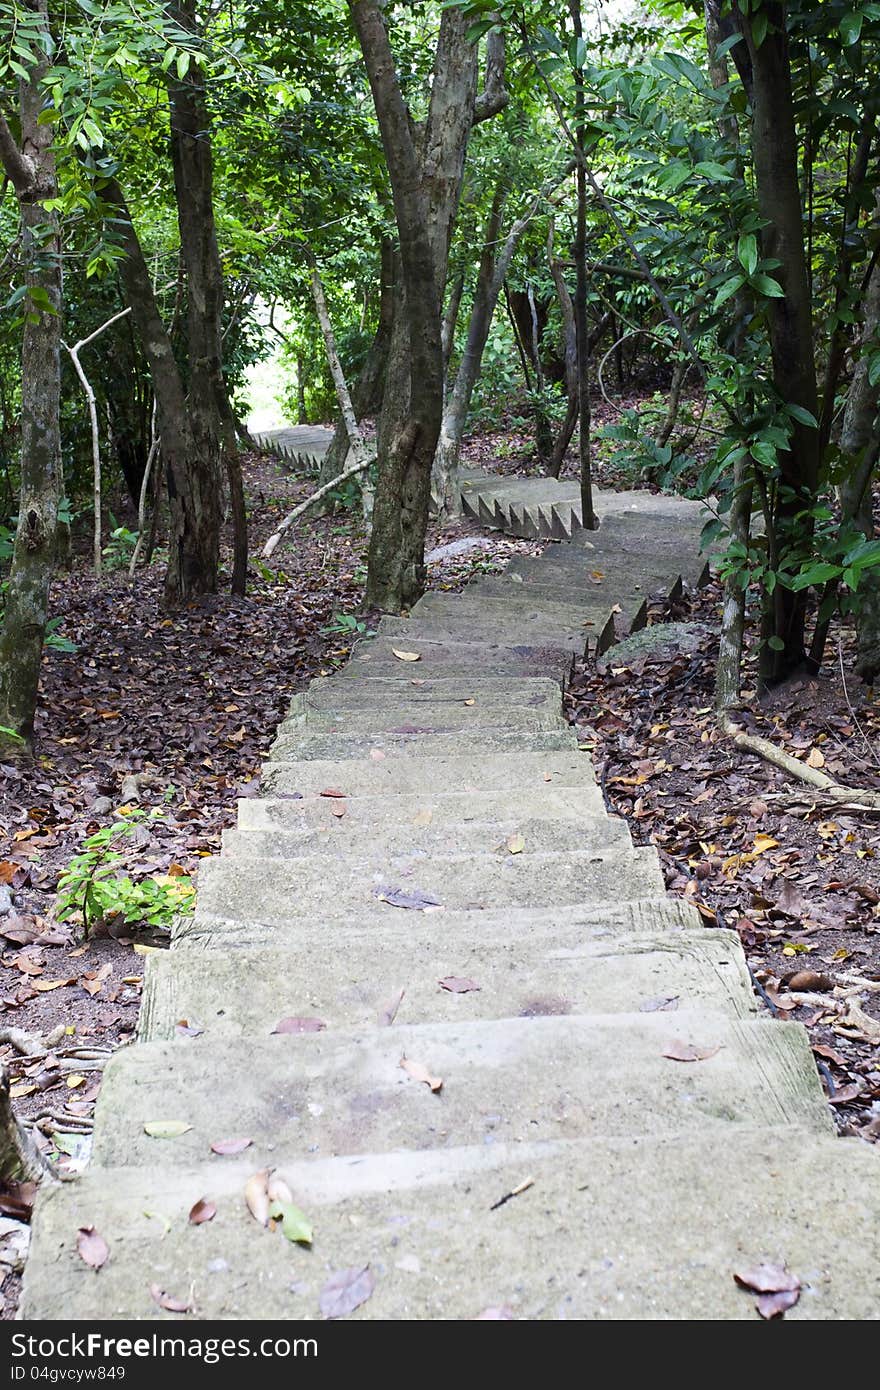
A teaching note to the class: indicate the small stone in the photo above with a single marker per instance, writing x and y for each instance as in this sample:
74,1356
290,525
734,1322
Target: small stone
6,903
101,806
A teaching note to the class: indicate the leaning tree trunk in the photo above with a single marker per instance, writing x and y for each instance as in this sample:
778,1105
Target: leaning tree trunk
488,288
211,418
588,516
192,474
775,159
367,391
30,168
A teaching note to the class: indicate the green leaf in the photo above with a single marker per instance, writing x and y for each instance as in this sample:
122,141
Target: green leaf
764,285
728,289
803,417
759,29
747,254
295,1225
776,644
851,27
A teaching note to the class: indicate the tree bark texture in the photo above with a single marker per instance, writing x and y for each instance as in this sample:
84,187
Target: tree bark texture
30,168
775,160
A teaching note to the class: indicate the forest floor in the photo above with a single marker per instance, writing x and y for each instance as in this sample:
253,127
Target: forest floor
173,714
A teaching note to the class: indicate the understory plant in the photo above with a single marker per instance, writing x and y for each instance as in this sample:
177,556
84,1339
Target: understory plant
92,889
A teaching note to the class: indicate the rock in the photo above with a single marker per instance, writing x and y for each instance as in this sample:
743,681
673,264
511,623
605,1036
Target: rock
15,1237
130,789
657,643
101,806
6,903
453,548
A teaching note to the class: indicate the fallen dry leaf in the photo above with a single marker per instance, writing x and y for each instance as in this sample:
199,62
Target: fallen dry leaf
664,1003
420,1073
166,1129
416,900
423,817
332,792
256,1195
407,656
299,1025
389,1013
226,1147
202,1211
815,758
346,1290
455,984
779,1290
680,1051
167,1300
516,844
92,1248
807,980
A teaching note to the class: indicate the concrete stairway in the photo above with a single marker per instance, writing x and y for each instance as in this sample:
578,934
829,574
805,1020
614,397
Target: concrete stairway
430,877
302,445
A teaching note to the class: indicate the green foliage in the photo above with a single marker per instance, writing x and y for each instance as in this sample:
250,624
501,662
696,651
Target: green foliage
345,625
92,889
119,549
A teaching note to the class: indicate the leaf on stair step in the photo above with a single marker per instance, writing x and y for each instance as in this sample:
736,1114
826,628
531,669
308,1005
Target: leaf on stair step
338,811
680,1051
299,1025
407,656
226,1147
256,1195
456,984
331,791
167,1300
92,1248
419,1072
416,901
166,1129
295,1225
202,1211
389,1013
777,1287
662,1004
346,1290
423,817
516,844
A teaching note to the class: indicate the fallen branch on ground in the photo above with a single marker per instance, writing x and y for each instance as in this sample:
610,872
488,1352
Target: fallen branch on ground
297,512
868,799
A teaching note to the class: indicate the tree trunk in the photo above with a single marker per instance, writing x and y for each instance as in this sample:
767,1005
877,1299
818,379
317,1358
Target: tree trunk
860,443
775,158
368,389
30,169
426,186
486,292
211,418
193,489
588,516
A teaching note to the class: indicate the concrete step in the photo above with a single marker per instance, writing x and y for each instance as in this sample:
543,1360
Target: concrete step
455,659
510,1080
530,633
357,837
511,772
213,932
319,886
438,715
443,810
515,604
610,1229
247,992
333,693
419,741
